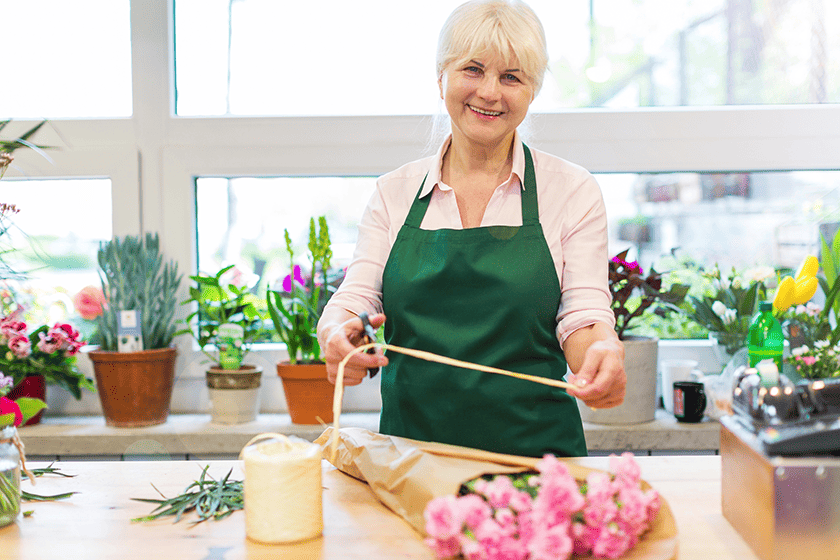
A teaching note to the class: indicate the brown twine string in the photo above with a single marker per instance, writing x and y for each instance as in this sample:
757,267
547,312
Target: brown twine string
16,441
423,355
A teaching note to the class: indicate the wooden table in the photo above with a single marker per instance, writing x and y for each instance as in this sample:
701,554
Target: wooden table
95,524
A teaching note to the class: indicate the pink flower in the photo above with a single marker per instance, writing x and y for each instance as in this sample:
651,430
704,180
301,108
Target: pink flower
584,537
19,345
48,343
612,542
9,328
634,509
499,492
554,543
89,302
473,510
626,469
600,506
296,276
8,406
498,544
446,548
809,360
631,266
443,518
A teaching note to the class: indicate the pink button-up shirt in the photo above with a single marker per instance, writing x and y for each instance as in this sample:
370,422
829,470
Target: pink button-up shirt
571,211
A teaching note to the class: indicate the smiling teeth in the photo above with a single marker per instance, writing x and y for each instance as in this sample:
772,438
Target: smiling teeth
483,112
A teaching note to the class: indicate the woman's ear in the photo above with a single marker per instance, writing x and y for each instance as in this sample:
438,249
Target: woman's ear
440,84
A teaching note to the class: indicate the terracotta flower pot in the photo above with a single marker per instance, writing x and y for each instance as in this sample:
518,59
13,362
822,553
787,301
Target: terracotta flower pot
309,394
234,394
135,388
33,386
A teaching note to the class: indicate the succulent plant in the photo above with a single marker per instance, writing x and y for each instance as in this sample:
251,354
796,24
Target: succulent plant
135,276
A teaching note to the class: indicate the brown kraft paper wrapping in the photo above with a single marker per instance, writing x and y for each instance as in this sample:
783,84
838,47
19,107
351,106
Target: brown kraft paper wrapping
406,474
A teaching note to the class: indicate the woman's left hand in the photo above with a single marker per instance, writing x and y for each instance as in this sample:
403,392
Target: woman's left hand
597,357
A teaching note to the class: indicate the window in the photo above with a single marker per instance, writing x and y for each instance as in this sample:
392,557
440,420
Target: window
260,57
62,62
242,221
54,237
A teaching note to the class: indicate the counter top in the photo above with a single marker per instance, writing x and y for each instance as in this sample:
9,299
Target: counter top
195,436
95,523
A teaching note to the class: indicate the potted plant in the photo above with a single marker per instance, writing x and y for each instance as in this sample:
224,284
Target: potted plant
295,312
728,306
635,294
135,362
46,356
225,320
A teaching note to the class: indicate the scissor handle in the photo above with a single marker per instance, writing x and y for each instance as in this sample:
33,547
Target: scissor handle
370,335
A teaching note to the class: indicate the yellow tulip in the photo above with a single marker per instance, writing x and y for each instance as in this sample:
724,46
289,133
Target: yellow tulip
808,269
785,294
804,290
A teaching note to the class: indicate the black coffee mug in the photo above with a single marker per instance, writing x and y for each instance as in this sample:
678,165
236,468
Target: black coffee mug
689,401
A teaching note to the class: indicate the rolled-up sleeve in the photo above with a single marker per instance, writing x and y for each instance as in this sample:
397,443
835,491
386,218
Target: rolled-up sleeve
575,223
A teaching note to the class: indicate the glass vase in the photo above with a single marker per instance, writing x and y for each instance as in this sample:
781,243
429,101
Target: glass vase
9,477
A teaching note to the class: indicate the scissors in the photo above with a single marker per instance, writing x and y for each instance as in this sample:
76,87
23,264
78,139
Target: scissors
369,337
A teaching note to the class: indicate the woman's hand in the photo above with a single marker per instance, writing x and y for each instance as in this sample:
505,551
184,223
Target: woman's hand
339,338
596,357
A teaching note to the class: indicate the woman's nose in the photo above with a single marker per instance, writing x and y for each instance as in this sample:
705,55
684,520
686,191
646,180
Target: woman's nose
489,88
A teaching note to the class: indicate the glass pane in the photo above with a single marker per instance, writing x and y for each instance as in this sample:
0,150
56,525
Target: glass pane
242,221
732,219
260,57
81,49
53,238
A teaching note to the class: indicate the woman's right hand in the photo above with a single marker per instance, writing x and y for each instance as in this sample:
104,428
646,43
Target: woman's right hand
340,338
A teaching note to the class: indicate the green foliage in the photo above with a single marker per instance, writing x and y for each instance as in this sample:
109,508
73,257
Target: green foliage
634,294
295,312
217,305
135,276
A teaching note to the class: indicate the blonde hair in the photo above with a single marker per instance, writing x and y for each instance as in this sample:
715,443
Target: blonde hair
509,28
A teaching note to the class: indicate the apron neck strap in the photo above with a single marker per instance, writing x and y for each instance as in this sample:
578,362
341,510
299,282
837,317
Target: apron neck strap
530,210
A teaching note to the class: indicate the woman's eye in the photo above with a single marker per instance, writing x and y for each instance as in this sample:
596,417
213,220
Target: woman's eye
511,78
472,70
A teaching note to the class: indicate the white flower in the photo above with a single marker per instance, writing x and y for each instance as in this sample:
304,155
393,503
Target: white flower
737,282
730,317
799,351
724,283
821,344
719,309
760,273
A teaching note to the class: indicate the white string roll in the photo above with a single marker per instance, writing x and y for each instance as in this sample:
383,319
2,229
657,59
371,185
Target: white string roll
282,489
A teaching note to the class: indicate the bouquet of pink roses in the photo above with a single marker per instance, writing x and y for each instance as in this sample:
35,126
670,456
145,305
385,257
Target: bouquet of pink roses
544,515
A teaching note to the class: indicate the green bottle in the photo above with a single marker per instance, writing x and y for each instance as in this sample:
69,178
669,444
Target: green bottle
766,340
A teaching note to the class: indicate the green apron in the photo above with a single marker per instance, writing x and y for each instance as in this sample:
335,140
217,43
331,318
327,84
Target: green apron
486,295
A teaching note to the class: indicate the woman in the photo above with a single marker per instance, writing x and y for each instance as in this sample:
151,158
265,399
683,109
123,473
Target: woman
487,252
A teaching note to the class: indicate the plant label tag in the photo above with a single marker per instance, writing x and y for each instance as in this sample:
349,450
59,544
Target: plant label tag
229,340
129,334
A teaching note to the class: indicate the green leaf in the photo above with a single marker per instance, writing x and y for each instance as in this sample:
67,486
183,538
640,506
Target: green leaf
29,407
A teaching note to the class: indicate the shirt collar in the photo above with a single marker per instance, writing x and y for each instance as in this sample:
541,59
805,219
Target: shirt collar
517,165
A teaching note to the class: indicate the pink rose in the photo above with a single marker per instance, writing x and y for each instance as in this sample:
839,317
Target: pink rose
20,346
89,302
48,343
443,518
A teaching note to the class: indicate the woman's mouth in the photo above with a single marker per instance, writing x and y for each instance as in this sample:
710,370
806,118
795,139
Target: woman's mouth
484,111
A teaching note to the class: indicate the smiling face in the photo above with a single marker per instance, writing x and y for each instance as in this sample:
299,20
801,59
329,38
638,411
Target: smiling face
486,98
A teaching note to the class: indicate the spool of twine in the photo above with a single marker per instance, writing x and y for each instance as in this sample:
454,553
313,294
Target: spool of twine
282,489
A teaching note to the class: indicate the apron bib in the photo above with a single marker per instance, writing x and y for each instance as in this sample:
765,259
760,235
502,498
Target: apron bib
486,295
